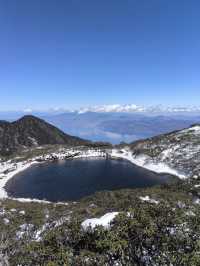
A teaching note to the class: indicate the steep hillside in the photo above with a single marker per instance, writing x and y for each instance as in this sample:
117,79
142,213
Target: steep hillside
31,131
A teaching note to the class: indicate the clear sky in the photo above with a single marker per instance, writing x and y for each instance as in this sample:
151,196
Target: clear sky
72,53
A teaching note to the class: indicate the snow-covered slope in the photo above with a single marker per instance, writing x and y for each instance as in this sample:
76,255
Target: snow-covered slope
179,150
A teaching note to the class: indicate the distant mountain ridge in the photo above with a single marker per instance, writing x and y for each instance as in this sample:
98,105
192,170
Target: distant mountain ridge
118,127
30,131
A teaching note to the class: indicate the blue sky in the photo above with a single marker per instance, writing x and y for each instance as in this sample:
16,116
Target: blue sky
72,53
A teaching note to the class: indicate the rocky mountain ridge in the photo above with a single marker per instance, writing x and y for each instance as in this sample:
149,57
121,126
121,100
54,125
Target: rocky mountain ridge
30,131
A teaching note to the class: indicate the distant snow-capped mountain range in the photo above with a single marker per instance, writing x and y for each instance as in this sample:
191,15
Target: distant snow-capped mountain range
112,108
122,108
130,108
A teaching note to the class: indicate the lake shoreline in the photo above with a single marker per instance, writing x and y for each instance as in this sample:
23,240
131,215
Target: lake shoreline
12,168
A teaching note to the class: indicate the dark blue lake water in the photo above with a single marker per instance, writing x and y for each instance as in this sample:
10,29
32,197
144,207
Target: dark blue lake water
74,179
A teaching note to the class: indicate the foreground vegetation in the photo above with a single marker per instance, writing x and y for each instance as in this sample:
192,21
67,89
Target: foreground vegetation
165,232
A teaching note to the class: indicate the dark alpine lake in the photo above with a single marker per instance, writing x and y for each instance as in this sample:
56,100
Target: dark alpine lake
74,179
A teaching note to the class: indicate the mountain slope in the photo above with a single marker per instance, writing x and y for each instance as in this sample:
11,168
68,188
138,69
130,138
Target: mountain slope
179,150
30,131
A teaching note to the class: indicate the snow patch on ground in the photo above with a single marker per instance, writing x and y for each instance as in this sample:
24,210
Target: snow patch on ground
196,201
22,212
6,221
37,236
148,199
193,130
104,221
24,229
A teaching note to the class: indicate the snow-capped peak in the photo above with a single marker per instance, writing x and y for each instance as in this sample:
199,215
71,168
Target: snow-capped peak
112,108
